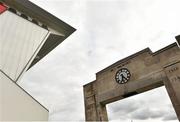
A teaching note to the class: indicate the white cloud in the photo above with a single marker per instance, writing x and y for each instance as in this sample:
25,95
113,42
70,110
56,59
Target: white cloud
148,105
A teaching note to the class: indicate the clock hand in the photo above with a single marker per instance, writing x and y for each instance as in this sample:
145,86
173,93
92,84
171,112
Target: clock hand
123,77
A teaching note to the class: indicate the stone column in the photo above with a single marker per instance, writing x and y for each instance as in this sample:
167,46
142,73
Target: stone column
94,111
90,102
172,84
101,113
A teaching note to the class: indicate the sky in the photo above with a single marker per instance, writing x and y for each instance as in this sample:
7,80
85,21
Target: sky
107,31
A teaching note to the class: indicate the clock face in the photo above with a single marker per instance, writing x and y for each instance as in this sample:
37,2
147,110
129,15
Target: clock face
122,76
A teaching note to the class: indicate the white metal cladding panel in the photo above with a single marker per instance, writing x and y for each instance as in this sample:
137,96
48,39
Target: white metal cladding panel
19,40
17,105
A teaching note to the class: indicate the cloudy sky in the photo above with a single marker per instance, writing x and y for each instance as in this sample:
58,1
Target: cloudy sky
107,31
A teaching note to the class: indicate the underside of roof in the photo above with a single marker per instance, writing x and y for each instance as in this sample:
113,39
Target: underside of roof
59,30
52,41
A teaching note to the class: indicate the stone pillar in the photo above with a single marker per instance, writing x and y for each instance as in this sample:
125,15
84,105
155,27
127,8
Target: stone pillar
172,84
101,112
90,102
94,111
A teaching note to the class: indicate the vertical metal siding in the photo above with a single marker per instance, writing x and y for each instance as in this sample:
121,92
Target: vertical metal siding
19,40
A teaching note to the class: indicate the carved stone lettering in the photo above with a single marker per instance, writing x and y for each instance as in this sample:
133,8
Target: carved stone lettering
173,69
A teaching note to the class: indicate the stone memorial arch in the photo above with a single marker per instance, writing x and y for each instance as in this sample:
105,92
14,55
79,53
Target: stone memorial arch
135,74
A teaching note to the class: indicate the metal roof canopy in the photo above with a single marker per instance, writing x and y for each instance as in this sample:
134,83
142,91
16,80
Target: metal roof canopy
30,9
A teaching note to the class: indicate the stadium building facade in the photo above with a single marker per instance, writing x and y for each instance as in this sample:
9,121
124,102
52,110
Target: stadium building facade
27,34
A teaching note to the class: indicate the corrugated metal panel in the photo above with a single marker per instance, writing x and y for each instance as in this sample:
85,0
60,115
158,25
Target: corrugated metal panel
19,41
37,15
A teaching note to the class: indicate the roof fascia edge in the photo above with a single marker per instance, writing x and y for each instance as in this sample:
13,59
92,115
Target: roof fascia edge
34,11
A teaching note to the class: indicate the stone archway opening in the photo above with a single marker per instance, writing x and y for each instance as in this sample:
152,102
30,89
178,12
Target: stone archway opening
144,106
138,73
